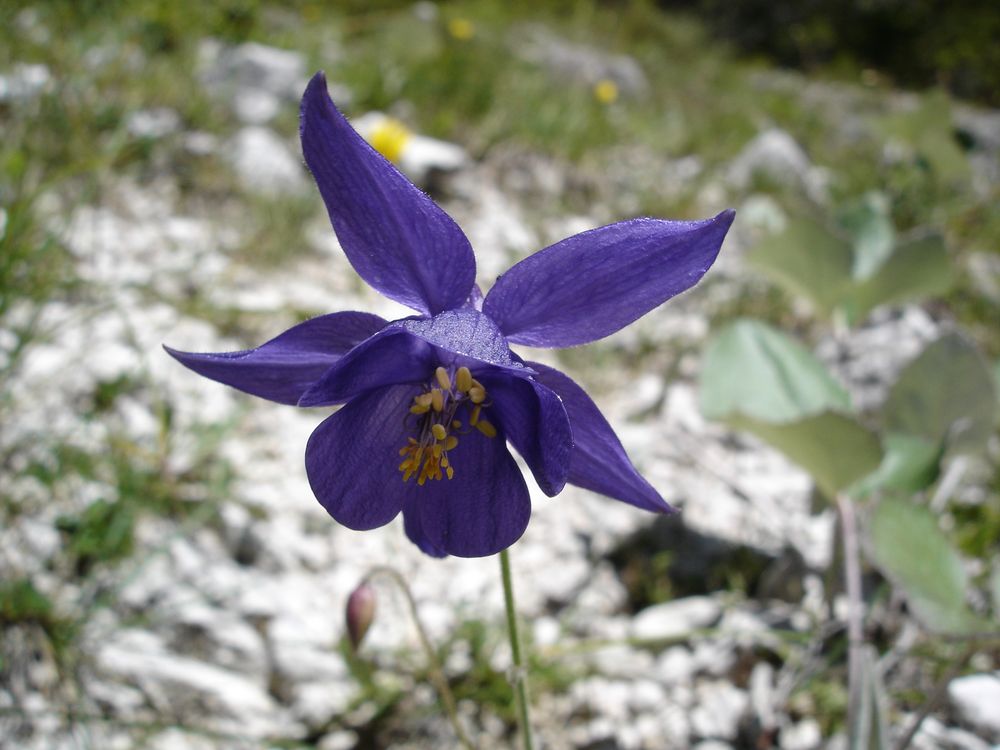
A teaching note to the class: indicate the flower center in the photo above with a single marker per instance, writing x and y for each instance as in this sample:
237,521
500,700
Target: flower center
440,411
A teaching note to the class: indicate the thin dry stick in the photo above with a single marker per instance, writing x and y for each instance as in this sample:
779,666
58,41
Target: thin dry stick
434,666
855,611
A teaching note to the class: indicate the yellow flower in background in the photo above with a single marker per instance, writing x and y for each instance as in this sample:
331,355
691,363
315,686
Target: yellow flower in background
606,91
461,29
389,138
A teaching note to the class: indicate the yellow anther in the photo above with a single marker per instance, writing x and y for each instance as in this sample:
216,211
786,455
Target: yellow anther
442,378
419,409
486,428
436,450
439,432
474,417
444,461
450,443
437,399
424,399
463,379
455,424
477,394
450,471
404,450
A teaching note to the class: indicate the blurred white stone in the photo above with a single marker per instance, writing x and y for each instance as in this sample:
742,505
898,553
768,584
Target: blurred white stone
152,123
258,81
264,163
976,699
177,685
677,618
803,735
24,82
577,62
775,155
719,705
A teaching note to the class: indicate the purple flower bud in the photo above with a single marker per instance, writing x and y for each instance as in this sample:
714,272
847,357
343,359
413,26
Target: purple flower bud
360,612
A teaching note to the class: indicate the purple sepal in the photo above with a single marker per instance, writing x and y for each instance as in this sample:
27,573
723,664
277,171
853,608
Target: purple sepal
598,460
592,284
397,238
286,366
408,351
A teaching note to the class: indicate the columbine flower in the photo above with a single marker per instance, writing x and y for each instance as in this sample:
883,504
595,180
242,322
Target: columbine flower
431,401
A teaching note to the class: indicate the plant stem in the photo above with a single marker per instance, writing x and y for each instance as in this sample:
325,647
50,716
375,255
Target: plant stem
433,665
519,674
855,611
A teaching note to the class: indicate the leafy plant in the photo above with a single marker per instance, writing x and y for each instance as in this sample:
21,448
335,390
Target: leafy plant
857,264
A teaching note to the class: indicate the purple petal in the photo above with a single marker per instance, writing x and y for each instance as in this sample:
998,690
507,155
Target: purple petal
396,238
407,351
484,509
415,532
389,358
592,284
536,424
598,461
352,459
283,369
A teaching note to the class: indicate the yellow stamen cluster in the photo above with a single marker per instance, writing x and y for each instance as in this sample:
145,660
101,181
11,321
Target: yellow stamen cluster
426,456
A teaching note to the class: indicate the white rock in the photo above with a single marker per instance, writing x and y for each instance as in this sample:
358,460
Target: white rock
777,156
934,735
256,106
608,698
804,735
623,662
178,739
152,123
178,685
675,666
976,699
338,741
718,708
587,65
646,695
259,81
24,82
264,163
676,618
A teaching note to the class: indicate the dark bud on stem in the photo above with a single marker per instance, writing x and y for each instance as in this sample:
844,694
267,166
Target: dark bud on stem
360,613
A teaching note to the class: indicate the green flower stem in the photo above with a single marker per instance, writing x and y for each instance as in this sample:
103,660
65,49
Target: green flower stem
435,671
519,671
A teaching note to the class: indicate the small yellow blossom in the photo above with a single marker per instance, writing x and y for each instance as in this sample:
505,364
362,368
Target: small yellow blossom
389,138
606,91
461,29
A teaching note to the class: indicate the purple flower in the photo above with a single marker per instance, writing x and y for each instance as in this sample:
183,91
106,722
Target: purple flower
431,401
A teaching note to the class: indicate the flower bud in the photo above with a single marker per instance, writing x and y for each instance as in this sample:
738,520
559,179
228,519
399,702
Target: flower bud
360,612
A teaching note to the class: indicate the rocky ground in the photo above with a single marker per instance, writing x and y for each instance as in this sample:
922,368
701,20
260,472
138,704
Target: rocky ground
221,627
